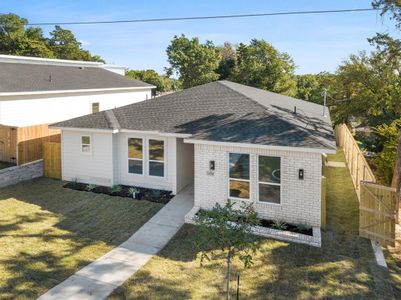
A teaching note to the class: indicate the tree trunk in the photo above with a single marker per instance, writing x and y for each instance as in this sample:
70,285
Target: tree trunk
396,183
228,275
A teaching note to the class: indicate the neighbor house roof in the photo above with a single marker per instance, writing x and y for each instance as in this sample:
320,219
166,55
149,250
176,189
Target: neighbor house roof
222,111
19,77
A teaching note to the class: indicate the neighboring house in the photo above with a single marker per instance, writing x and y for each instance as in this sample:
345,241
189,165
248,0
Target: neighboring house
231,140
37,91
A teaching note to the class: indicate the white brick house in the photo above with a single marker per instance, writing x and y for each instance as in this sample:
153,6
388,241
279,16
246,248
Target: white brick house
231,141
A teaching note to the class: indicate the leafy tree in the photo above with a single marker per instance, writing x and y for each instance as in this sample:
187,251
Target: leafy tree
195,63
310,87
15,40
228,61
229,230
18,39
371,83
385,161
163,83
65,46
392,7
261,65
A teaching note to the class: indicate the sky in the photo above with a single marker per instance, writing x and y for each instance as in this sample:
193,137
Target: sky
315,42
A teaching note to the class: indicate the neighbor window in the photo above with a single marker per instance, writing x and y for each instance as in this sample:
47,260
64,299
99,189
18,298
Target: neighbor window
95,107
86,144
269,179
135,155
156,158
239,176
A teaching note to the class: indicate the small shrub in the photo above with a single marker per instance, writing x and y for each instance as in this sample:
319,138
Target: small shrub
132,190
90,187
116,189
277,224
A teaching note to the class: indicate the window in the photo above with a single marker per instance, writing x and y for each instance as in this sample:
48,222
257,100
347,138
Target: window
269,179
95,107
156,158
86,144
135,156
239,176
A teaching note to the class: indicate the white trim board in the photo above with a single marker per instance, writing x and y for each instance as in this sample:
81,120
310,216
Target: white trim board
27,93
257,146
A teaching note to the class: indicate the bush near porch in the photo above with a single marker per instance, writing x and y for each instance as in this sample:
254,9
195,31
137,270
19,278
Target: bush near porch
47,233
344,267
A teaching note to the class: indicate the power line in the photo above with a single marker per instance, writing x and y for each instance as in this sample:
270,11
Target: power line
284,13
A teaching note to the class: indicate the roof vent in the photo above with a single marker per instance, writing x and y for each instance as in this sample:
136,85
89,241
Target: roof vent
295,110
81,68
50,78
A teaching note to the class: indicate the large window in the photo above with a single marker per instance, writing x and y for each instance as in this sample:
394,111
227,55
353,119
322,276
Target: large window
86,144
239,176
156,158
269,179
135,155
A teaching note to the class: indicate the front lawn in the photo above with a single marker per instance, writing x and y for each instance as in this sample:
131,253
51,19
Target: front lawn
48,232
343,268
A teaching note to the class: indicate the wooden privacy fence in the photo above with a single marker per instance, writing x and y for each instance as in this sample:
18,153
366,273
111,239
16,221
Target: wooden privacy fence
377,214
52,160
357,164
21,145
377,203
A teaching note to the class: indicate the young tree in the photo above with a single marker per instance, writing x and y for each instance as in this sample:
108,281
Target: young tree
310,87
261,65
229,230
194,62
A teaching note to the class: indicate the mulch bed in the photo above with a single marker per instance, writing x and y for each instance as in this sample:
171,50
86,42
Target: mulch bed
288,227
158,196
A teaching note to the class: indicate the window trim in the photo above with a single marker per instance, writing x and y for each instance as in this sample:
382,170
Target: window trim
236,179
90,144
148,160
268,183
143,156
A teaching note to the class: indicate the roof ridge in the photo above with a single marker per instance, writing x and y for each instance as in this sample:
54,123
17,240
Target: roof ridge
239,93
111,119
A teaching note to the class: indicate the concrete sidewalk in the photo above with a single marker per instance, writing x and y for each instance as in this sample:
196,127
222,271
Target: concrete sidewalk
98,279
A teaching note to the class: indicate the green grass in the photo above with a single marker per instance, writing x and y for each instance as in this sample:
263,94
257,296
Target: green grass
47,233
343,268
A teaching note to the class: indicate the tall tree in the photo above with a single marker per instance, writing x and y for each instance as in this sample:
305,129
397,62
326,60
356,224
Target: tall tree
65,45
194,62
261,65
162,83
310,87
15,40
371,83
228,60
392,7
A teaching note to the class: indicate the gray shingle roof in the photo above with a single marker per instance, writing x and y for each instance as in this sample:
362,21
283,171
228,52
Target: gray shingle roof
25,77
226,112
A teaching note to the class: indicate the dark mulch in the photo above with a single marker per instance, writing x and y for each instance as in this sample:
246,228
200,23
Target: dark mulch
154,195
302,229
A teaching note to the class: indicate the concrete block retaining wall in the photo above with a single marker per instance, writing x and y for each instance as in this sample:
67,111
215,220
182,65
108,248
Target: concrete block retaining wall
20,173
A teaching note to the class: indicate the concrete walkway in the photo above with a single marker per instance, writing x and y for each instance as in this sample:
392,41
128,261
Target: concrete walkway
100,278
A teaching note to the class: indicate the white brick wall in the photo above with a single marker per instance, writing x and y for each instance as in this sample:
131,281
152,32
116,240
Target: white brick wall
300,199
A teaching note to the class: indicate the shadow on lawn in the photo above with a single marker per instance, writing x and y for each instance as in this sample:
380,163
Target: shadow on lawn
55,231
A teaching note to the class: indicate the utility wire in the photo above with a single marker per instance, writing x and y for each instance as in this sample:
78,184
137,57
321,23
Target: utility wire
284,13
